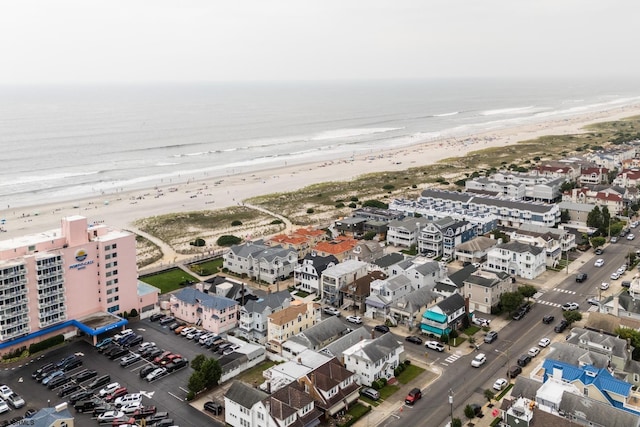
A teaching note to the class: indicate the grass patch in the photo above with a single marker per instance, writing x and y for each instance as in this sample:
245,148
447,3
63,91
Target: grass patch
387,391
503,392
457,341
471,330
409,374
168,280
369,401
254,375
207,268
302,294
354,413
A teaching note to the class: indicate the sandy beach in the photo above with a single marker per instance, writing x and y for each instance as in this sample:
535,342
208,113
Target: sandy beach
207,193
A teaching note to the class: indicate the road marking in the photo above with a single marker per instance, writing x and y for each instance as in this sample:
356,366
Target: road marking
452,358
179,398
148,394
553,304
538,295
565,291
593,309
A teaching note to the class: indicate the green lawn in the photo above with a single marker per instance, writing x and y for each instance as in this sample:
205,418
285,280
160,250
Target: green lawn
168,280
387,391
409,374
302,294
207,268
254,375
471,330
369,401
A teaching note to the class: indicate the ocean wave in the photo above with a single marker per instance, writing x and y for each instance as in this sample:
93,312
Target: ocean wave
446,114
167,163
29,179
515,110
348,133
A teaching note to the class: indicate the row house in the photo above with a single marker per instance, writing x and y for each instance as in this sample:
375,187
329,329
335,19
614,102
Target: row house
253,324
377,214
213,313
484,288
443,235
444,316
475,250
454,282
372,359
307,275
386,262
554,241
404,232
261,262
508,213
518,186
357,227
283,324
593,176
383,293
612,158
315,337
628,178
340,247
354,295
568,172
609,198
335,278
299,244
517,259
421,272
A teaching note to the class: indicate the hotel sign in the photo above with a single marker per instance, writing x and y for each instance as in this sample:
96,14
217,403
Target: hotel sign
81,257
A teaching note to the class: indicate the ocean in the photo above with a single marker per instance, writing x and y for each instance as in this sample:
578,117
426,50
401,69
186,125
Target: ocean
70,142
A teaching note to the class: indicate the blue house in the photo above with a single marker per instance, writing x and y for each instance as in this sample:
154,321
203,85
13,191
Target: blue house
443,317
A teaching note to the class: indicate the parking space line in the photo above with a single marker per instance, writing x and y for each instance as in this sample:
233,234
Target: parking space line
179,398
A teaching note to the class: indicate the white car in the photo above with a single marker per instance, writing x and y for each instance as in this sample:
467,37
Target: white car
479,360
108,389
570,306
615,275
599,262
110,416
156,373
630,236
146,344
130,408
434,345
127,399
480,321
5,391
500,384
186,331
4,407
604,286
354,319
122,334
332,311
534,351
544,342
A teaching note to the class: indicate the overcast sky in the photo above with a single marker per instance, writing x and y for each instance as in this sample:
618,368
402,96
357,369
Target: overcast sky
61,41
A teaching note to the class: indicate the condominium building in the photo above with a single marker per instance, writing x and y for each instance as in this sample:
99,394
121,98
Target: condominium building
52,280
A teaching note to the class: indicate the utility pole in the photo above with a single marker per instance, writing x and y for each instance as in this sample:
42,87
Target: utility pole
451,404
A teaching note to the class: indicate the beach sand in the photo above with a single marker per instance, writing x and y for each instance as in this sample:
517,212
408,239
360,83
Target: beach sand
121,209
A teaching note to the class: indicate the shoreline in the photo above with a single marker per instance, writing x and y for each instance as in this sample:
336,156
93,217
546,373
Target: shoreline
120,209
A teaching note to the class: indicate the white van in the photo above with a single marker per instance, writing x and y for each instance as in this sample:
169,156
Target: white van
128,398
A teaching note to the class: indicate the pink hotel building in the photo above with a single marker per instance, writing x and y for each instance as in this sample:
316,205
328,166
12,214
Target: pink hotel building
61,280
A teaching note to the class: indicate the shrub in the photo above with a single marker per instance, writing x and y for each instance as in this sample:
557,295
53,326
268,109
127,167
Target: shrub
190,396
353,199
134,313
236,223
414,186
339,205
276,222
352,205
228,240
199,242
45,344
407,362
15,353
310,211
388,187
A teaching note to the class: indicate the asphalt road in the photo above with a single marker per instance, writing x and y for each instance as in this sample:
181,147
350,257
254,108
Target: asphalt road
167,393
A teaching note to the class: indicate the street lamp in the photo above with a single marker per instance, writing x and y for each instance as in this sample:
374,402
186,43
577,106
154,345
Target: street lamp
506,353
451,404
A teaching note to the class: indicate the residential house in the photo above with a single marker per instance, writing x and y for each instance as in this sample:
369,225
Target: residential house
474,250
517,259
554,241
628,178
224,286
454,282
609,198
518,186
337,348
578,214
306,276
244,407
299,244
351,227
420,271
593,176
340,247
285,373
484,288
442,236
444,316
383,292
563,170
292,406
355,293
333,387
366,250
404,232
336,277
253,324
260,262
385,263
408,308
377,214
289,321
371,359
211,312
315,337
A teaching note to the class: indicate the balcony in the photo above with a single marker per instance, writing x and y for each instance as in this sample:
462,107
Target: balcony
17,333
49,284
45,323
43,305
7,304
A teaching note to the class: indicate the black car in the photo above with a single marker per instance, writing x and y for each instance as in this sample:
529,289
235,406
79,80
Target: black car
524,360
85,375
118,353
101,408
72,364
581,277
58,382
157,316
599,251
30,413
176,364
167,422
65,360
154,353
525,307
134,341
514,371
109,347
43,369
561,326
80,395
158,416
625,284
146,370
519,315
413,339
68,389
547,319
381,328
213,407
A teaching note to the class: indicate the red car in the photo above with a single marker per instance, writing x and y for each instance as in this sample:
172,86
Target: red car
116,393
162,357
144,412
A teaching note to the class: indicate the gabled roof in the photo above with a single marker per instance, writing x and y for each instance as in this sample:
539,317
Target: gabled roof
247,249
397,282
451,304
193,296
515,246
463,274
244,395
467,198
337,347
286,315
330,374
415,300
319,333
380,347
598,413
287,401
273,300
600,378
574,355
389,260
319,262
525,387
427,268
477,244
409,223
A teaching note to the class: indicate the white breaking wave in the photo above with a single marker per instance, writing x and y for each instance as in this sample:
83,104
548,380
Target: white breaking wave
446,114
516,110
347,133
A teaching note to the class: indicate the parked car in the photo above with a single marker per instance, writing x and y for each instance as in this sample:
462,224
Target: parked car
43,369
72,364
166,320
490,337
145,345
413,339
332,311
144,412
146,370
5,391
625,284
615,275
480,321
108,389
381,328
177,364
599,251
548,319
185,331
68,389
52,376
354,319
523,360
413,396
514,371
434,345
99,382
593,301
78,396
130,359
213,407
156,373
479,360
534,351
117,337
120,391
104,342
127,399
137,339
87,405
560,327
110,416
58,382
118,352
157,316
153,353
500,384
519,315
370,393
15,401
544,342
3,406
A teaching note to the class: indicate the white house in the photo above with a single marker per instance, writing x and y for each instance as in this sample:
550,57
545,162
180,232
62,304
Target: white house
554,241
517,259
306,276
371,359
254,315
260,262
404,232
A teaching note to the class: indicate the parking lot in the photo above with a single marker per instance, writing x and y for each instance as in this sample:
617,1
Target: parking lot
167,393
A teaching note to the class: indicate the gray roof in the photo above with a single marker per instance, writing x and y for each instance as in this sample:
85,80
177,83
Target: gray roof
409,223
467,198
397,282
445,287
618,345
463,274
628,303
575,355
337,347
389,260
194,296
273,300
571,206
415,300
477,244
320,333
520,247
525,387
380,347
532,228
244,395
598,413
249,248
482,281
451,304
427,268
320,263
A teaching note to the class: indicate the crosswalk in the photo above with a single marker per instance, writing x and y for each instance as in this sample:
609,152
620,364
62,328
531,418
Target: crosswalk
452,358
552,304
566,291
549,303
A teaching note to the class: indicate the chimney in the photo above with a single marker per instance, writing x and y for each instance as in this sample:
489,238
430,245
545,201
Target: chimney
299,360
313,379
268,387
616,306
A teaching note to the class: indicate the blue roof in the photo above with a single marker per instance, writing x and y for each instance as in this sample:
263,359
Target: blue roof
600,378
438,317
194,296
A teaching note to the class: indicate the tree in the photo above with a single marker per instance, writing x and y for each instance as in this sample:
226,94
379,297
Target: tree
212,372
527,291
469,412
594,218
489,395
565,216
197,382
606,220
572,316
197,362
369,235
510,301
375,204
457,422
596,242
